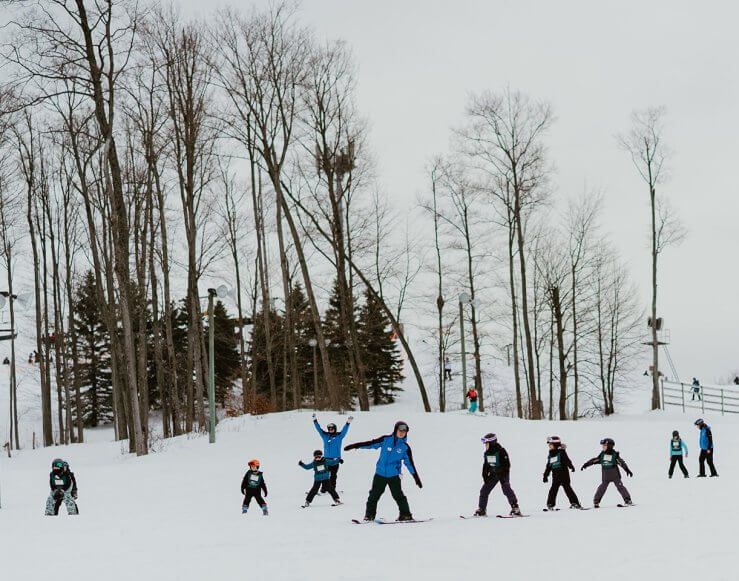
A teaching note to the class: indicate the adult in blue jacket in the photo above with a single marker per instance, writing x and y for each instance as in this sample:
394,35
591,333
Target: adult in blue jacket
332,444
706,444
394,452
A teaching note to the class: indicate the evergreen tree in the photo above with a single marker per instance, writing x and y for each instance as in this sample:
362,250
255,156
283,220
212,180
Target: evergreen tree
226,352
383,365
338,350
93,347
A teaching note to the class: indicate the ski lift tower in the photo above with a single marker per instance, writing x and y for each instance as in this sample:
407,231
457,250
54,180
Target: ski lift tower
663,339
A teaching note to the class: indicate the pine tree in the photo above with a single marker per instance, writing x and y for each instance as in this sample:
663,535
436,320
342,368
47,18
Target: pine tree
93,346
383,365
226,352
338,350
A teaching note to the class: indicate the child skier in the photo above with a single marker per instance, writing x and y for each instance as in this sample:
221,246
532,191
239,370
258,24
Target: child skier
332,444
676,454
558,462
609,460
472,394
394,450
63,489
321,477
496,467
252,486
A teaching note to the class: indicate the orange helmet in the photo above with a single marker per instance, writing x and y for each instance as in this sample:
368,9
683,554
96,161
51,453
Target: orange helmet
254,463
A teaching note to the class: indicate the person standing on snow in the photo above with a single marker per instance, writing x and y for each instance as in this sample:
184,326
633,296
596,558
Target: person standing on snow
332,445
321,477
558,464
394,451
706,444
609,461
496,467
677,446
472,394
696,389
63,486
252,486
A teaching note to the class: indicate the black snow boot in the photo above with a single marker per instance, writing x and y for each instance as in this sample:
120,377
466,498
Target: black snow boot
405,516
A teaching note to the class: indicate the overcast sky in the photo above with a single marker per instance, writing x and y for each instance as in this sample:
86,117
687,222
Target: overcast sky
594,62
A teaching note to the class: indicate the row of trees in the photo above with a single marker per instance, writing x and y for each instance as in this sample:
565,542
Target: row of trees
166,153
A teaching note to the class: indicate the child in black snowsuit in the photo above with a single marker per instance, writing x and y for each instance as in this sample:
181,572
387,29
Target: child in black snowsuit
558,463
321,477
609,460
252,486
496,468
63,489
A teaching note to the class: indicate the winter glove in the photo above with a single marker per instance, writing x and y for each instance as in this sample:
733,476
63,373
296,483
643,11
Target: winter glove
341,460
545,479
300,463
265,494
313,416
583,467
418,480
572,468
629,473
74,495
350,447
350,419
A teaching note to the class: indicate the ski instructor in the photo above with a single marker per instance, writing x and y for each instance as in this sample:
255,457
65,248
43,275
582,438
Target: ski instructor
332,445
394,450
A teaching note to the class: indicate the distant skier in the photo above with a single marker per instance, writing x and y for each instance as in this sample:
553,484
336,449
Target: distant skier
472,394
332,444
677,447
558,463
447,369
696,389
609,460
321,477
496,467
706,444
736,380
252,486
394,451
63,489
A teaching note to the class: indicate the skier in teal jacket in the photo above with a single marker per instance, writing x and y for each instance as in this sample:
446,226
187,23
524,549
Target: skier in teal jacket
321,476
677,447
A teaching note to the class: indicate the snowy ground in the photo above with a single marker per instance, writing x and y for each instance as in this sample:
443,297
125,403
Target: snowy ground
176,513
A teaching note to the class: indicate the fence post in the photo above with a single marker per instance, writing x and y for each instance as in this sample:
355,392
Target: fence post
722,402
703,401
662,385
682,395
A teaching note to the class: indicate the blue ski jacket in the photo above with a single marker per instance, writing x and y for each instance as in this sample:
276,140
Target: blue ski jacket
677,447
331,442
706,440
394,452
320,468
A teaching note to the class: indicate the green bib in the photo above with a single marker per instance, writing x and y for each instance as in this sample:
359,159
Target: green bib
555,462
676,445
254,480
493,460
609,459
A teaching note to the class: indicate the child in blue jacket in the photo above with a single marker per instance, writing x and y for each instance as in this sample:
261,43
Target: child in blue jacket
677,446
394,451
332,443
321,477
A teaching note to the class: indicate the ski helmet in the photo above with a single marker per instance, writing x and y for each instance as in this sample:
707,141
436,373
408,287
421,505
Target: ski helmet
607,442
254,463
699,422
317,454
675,434
57,464
489,438
402,426
331,427
554,440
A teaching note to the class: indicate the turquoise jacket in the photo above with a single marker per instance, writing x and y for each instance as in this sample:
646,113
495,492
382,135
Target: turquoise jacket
677,447
320,468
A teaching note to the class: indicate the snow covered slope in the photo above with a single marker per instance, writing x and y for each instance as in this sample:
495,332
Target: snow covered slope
176,513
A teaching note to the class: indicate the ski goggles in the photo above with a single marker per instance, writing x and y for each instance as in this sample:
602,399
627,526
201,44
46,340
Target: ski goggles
402,427
331,427
488,438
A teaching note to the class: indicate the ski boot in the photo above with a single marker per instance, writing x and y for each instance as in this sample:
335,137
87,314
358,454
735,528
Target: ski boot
515,511
628,502
337,503
405,517
596,505
576,506
550,507
714,475
265,511
369,517
669,476
306,505
244,509
480,512
686,476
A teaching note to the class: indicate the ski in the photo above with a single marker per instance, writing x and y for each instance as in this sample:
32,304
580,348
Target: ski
382,521
550,509
362,522
472,516
511,515
625,505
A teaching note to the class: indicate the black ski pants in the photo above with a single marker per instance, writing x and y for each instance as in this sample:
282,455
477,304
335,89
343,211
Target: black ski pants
334,471
378,488
256,494
706,456
561,478
326,486
611,475
677,460
488,486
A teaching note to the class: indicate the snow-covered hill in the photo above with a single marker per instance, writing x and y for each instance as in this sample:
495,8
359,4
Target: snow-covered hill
175,514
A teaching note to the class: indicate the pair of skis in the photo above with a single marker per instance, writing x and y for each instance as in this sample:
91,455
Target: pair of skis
473,516
382,521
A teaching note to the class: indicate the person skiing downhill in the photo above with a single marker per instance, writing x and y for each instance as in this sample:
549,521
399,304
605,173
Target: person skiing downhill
472,394
252,486
609,460
677,446
321,477
706,444
63,486
496,467
332,444
558,464
394,451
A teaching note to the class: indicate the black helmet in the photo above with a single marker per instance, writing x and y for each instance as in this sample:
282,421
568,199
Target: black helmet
699,422
555,440
403,426
57,464
675,434
331,427
317,453
607,442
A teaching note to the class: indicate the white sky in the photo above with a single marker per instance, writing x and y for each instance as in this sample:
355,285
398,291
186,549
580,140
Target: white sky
594,62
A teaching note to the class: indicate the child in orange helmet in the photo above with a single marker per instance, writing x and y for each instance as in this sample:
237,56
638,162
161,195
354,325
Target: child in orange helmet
252,486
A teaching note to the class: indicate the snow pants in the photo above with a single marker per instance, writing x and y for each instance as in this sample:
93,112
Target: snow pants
334,471
677,460
378,488
611,475
488,486
256,494
561,478
53,503
473,406
706,457
327,487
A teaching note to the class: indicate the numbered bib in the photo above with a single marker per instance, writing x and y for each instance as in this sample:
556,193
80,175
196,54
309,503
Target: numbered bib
320,468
